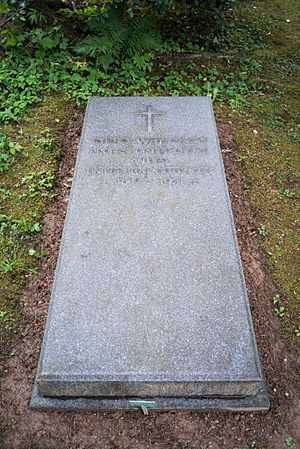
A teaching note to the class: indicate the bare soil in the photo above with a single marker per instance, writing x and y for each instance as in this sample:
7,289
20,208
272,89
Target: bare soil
22,428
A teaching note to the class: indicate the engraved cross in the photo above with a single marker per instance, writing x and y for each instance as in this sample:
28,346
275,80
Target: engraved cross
149,114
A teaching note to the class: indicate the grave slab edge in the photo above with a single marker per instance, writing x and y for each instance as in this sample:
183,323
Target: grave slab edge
259,403
151,388
58,262
238,256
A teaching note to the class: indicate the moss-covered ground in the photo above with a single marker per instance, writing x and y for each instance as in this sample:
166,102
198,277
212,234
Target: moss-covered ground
267,132
25,189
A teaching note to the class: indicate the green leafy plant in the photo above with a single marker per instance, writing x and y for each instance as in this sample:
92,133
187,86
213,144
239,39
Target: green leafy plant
288,193
6,320
262,230
7,152
12,233
38,184
4,316
289,441
36,17
5,193
280,311
46,140
276,298
241,158
21,81
295,134
117,36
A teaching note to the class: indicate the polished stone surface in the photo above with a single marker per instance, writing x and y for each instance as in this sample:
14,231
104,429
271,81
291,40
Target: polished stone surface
149,298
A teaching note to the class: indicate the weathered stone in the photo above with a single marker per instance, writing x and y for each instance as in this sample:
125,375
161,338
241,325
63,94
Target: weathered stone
149,298
258,402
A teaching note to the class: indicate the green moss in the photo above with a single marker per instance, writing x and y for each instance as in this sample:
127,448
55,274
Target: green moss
27,187
269,164
267,133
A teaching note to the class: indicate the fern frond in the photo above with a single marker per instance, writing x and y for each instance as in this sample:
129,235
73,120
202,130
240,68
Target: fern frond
93,45
142,35
118,37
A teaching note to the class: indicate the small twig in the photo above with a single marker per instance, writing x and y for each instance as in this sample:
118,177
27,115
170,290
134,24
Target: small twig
268,81
207,55
5,22
145,410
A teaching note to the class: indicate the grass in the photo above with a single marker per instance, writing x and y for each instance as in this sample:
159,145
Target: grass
267,133
25,189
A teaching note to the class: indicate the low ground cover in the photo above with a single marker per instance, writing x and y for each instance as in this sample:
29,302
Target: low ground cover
250,68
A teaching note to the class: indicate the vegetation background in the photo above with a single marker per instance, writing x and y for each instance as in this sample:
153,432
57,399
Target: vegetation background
55,54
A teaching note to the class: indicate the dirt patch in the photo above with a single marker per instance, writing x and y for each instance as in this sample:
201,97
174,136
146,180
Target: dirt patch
23,428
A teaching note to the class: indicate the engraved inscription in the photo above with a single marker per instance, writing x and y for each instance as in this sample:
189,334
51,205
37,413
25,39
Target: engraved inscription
172,176
149,160
161,160
152,141
148,150
146,171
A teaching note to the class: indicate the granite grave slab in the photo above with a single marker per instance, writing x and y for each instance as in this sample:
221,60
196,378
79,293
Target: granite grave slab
149,301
